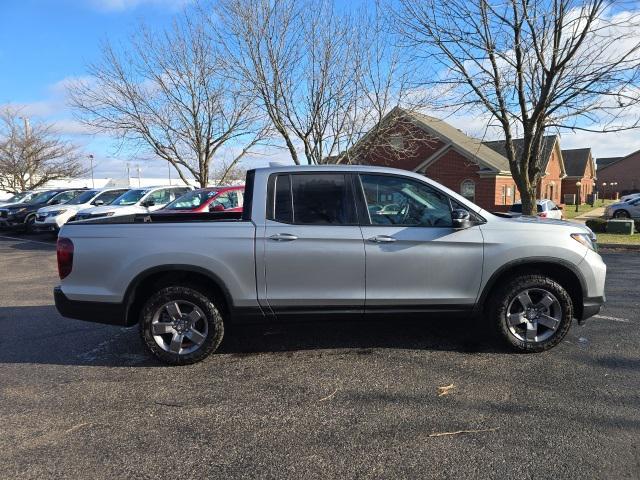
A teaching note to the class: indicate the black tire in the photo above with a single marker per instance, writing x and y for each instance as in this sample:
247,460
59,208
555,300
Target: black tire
189,295
621,214
505,297
29,222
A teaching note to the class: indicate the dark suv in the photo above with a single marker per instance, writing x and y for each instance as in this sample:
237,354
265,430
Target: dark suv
21,216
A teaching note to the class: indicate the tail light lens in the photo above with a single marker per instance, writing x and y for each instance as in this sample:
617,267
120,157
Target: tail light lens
543,214
64,251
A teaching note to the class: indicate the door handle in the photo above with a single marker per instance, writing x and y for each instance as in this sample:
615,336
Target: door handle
283,237
382,239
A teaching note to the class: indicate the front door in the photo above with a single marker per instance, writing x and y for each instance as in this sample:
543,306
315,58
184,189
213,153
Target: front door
313,247
416,260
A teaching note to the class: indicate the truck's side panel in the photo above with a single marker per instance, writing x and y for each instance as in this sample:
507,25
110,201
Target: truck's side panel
109,257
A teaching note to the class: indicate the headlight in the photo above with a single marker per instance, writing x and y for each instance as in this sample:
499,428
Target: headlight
586,239
55,213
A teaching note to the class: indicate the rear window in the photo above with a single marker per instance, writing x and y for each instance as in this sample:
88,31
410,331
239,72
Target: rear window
313,199
517,208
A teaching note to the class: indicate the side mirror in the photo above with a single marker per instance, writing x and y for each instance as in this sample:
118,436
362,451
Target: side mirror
461,218
98,203
148,203
216,208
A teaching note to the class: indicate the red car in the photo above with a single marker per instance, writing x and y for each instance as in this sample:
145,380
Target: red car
211,199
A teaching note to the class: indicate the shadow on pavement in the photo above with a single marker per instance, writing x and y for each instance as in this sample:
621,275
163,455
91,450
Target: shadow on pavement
39,335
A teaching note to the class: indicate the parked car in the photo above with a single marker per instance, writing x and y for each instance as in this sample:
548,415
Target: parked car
212,199
631,196
306,243
22,216
22,197
546,209
628,209
52,217
136,200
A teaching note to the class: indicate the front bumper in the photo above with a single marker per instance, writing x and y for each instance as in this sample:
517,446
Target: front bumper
99,312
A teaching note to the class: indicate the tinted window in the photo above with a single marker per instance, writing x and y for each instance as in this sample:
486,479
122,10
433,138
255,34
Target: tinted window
322,199
283,211
44,196
401,201
83,198
160,197
517,208
64,197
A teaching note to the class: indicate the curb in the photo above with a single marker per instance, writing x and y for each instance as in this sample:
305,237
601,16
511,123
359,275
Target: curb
617,246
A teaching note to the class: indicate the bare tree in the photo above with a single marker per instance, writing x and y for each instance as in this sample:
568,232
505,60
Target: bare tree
167,93
532,64
32,154
324,77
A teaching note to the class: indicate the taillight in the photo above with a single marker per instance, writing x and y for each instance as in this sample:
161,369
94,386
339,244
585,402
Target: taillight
543,214
64,250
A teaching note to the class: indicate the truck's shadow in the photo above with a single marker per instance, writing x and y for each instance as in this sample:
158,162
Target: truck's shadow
37,334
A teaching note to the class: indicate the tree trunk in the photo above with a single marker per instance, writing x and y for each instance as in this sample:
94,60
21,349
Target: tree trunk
528,197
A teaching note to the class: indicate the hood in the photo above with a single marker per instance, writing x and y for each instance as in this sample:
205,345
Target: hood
60,206
535,222
10,206
118,209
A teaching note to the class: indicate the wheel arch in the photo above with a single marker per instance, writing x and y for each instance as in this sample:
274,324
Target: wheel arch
563,272
147,281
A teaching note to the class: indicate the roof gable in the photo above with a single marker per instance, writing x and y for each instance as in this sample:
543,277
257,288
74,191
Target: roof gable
577,161
466,145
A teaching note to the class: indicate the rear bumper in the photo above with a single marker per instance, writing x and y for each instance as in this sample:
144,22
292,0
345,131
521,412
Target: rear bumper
99,312
590,307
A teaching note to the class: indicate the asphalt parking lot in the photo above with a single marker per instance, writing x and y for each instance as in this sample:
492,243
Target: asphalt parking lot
331,400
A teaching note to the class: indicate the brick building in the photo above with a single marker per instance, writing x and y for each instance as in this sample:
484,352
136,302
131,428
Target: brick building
625,171
580,168
476,170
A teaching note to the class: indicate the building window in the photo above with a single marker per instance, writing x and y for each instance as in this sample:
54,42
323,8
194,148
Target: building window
468,190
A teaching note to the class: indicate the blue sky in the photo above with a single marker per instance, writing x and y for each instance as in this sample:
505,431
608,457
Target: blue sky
44,43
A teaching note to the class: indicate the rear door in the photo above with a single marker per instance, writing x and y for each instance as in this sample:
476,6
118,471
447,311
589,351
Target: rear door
416,260
313,248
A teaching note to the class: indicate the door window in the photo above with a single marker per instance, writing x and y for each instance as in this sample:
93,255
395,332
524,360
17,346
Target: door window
314,199
109,196
404,202
226,199
161,197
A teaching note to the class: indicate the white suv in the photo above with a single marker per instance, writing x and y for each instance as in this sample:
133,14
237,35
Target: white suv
52,217
137,200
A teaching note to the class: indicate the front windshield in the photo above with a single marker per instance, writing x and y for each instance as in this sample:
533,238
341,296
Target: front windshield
83,198
17,197
191,200
44,197
130,198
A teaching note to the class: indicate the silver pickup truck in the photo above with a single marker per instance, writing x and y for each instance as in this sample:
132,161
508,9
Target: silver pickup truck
328,240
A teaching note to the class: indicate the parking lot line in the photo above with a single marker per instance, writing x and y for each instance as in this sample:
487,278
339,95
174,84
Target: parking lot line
613,319
28,240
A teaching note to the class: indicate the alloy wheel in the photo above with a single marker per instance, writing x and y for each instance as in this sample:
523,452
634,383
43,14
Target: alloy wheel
534,315
179,327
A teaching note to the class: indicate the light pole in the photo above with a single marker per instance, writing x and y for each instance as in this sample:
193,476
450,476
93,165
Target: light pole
614,185
93,185
604,191
578,195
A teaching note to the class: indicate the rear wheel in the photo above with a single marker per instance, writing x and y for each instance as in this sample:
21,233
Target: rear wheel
181,325
621,214
532,313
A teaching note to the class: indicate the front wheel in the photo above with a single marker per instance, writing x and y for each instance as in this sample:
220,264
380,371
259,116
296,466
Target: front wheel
181,325
532,313
621,214
29,223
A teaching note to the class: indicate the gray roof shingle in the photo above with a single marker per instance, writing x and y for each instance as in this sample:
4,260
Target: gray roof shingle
576,160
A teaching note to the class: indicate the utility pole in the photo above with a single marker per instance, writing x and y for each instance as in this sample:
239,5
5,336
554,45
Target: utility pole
138,169
128,175
93,185
169,167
